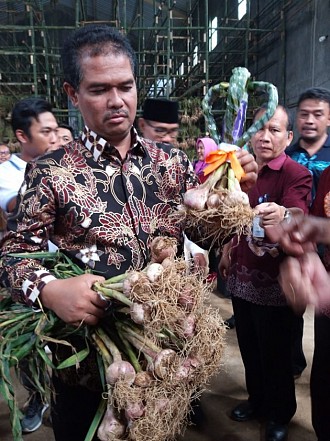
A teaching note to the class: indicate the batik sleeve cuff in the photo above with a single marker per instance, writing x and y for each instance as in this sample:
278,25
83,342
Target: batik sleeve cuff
33,286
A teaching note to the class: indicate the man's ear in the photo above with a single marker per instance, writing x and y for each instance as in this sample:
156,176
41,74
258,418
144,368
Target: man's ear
141,124
328,123
71,92
290,137
21,136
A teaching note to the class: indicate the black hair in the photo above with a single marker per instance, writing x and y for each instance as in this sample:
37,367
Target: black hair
263,107
94,39
26,110
315,93
66,126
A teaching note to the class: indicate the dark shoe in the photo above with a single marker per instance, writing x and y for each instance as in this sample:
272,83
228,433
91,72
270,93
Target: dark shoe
276,431
244,412
33,414
230,323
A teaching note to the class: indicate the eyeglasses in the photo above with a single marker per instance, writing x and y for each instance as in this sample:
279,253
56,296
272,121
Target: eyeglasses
162,132
5,153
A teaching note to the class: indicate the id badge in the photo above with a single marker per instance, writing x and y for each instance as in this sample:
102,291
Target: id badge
257,231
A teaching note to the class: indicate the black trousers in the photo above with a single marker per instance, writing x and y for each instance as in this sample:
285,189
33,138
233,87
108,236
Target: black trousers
72,410
26,378
320,378
264,338
299,362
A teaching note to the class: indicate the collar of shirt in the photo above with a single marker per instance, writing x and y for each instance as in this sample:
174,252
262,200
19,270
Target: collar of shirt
16,162
277,163
99,146
296,147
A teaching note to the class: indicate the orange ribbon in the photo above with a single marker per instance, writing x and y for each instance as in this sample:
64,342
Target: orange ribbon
218,157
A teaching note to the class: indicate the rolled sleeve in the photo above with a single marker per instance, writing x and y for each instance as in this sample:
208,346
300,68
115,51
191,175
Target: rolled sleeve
33,286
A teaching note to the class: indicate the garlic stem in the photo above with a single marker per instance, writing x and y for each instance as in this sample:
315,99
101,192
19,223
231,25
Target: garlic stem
140,342
115,279
117,286
130,353
112,294
214,177
102,348
112,348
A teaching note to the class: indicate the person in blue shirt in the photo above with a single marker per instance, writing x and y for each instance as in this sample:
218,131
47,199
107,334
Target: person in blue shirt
313,119
313,151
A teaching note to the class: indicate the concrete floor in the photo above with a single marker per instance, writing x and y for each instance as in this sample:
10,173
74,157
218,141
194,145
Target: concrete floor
225,391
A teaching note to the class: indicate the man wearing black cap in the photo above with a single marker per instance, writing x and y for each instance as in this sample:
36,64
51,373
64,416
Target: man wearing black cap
160,123
160,120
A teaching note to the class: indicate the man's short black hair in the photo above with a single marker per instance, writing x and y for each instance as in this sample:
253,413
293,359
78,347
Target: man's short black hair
315,93
66,126
26,110
93,39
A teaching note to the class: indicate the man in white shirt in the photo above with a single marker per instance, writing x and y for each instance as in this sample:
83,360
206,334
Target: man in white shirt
11,178
35,127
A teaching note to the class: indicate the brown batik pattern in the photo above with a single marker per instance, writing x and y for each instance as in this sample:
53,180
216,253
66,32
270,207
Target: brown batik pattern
102,210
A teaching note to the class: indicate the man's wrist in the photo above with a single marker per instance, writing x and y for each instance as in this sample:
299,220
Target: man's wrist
286,214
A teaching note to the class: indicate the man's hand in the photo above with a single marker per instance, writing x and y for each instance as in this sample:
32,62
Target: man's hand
270,212
299,233
201,264
250,168
74,300
305,281
224,263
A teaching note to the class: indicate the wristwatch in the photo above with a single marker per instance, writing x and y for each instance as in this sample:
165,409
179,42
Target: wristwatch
287,215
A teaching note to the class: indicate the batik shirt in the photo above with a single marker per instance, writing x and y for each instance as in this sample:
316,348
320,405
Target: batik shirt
102,210
316,163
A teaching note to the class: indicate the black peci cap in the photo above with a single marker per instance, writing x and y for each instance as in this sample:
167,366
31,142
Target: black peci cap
161,110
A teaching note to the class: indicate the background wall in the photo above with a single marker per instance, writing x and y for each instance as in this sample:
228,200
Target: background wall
295,58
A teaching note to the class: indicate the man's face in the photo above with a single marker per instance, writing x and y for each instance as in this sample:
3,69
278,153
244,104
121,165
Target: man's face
272,139
43,136
159,131
64,136
4,153
313,120
107,96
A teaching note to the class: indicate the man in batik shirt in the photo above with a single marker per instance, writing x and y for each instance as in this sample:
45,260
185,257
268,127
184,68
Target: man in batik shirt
101,199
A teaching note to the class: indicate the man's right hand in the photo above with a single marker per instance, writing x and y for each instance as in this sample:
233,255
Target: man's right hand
250,168
73,300
224,263
299,234
304,280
